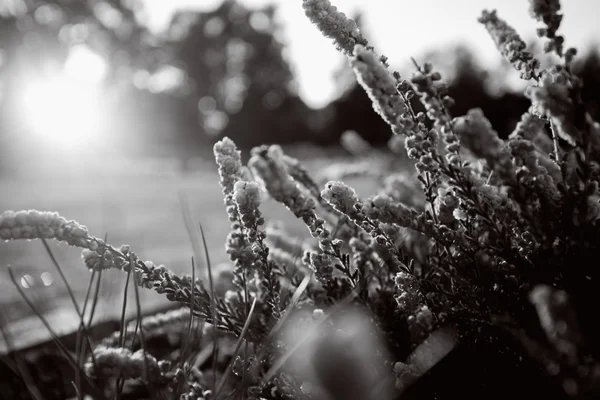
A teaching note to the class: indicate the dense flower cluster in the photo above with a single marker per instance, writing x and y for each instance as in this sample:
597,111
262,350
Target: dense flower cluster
510,44
268,164
33,224
334,24
115,362
547,12
497,217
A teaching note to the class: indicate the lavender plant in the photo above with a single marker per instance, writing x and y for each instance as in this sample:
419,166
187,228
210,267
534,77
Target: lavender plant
491,232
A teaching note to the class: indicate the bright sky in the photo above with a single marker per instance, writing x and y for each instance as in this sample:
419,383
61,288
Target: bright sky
390,26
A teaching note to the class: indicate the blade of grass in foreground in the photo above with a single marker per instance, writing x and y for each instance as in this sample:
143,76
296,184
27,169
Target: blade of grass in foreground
18,366
213,304
236,351
190,225
64,351
79,350
281,360
121,380
77,383
53,335
96,292
142,338
188,337
295,297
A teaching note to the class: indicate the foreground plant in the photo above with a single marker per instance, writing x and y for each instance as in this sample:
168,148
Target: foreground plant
501,234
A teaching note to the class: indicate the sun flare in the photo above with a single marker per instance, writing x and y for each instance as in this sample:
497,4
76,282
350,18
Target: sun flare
64,109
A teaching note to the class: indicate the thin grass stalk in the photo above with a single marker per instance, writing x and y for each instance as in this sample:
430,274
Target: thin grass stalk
245,286
295,297
338,306
121,381
142,338
213,304
8,362
64,351
77,310
138,324
19,367
235,352
286,314
77,391
189,327
53,335
189,224
95,300
199,334
97,291
202,356
124,310
281,360
60,272
80,352
188,338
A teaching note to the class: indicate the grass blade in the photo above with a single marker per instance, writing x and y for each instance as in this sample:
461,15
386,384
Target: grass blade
62,276
236,351
53,335
18,366
295,297
213,304
281,360
122,328
79,351
288,311
142,338
191,319
124,310
77,310
186,212
95,300
96,292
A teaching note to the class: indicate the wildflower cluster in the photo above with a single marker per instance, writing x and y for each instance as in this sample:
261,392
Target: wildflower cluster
115,362
510,44
492,232
547,12
334,24
268,164
33,224
496,227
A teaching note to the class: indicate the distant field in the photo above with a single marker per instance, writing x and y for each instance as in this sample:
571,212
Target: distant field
140,210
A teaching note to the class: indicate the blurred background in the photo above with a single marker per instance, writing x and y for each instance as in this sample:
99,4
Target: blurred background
109,110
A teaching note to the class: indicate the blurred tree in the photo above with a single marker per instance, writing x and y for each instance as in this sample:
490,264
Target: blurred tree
115,29
36,39
242,82
220,72
211,74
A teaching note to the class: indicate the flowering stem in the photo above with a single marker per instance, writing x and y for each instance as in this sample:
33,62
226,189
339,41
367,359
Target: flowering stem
555,142
430,198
